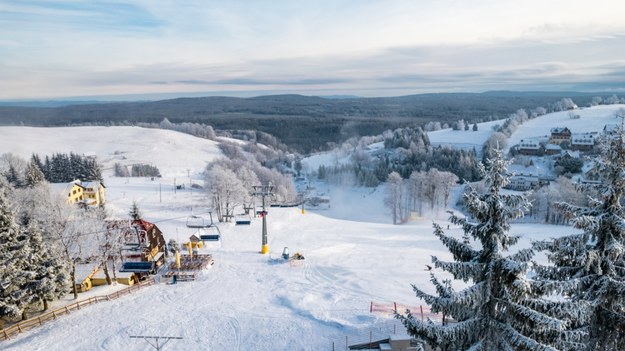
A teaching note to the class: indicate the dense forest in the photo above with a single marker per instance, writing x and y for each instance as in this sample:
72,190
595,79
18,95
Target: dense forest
304,123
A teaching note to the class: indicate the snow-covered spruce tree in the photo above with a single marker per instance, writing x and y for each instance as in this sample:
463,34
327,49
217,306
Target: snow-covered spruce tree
592,264
51,278
496,312
14,273
135,213
33,175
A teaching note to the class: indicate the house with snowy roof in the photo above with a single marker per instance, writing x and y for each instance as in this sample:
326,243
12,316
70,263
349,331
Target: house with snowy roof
553,149
560,135
590,173
583,141
85,193
72,192
144,248
94,193
529,147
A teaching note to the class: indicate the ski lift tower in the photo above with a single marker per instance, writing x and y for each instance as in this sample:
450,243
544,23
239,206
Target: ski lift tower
264,191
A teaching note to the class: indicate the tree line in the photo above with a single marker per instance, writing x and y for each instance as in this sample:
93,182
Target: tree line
60,168
405,151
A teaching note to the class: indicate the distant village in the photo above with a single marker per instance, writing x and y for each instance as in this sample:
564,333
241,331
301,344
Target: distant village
572,154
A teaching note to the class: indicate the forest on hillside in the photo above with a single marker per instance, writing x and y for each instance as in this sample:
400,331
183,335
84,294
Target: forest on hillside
304,123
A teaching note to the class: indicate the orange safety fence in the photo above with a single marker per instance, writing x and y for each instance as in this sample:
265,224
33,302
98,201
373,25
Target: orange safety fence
392,307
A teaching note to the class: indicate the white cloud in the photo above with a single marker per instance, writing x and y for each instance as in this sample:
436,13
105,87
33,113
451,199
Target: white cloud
60,48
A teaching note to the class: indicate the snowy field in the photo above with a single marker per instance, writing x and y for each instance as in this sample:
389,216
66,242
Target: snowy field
246,301
591,119
464,139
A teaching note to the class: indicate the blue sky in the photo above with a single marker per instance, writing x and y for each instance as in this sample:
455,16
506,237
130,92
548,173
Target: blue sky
52,49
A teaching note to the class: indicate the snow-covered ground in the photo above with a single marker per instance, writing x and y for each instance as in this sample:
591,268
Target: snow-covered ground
174,153
464,139
246,301
591,119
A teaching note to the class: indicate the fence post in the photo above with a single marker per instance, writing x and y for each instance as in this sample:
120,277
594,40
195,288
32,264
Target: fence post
370,337
346,347
6,336
395,305
332,343
421,306
394,328
371,307
54,314
39,320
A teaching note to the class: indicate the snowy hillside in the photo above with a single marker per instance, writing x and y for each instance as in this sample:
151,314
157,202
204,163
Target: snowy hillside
172,152
591,119
464,139
246,301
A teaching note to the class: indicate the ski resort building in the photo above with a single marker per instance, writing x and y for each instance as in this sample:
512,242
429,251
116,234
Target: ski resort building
144,249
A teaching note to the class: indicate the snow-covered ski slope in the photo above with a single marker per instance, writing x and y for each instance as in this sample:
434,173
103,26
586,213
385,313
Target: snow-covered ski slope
246,301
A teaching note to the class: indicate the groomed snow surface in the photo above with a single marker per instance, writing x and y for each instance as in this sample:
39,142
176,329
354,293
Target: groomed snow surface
246,301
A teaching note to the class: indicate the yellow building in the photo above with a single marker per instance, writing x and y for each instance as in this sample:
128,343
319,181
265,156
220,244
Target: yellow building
72,192
88,193
95,193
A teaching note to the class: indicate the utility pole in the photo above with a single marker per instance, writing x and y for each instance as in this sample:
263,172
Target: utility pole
264,191
156,345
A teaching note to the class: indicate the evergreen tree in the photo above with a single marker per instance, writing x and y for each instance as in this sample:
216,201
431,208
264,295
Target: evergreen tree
33,176
13,177
135,213
14,297
93,171
591,265
496,312
51,278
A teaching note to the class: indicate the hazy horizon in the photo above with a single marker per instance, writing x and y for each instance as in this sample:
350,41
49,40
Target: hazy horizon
81,50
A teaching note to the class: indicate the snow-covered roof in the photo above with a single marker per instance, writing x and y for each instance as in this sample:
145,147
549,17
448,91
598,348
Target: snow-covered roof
83,271
553,147
529,144
94,185
583,139
572,154
559,130
63,188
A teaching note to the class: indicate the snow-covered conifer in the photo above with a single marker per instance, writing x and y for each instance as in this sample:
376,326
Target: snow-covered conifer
590,267
14,272
135,213
51,278
497,311
33,175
